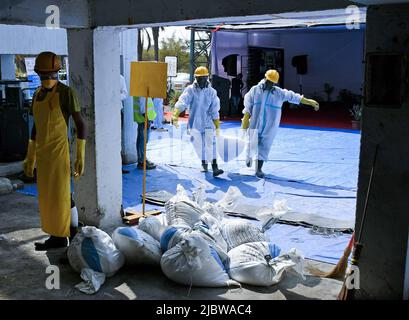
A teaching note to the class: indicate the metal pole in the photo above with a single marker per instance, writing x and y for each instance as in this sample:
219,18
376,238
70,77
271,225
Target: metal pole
145,139
192,53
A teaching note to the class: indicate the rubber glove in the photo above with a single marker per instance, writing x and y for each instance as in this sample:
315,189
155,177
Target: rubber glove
80,161
311,103
175,117
30,160
217,125
245,122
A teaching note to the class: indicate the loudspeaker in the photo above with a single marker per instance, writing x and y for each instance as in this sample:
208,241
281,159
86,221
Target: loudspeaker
300,62
230,64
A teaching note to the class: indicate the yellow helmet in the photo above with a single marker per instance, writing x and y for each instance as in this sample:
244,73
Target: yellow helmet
47,62
201,72
272,75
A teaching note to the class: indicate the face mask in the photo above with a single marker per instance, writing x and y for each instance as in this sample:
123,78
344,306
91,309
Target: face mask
201,82
48,80
268,85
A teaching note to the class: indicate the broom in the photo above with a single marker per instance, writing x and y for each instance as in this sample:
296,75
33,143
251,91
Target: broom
338,272
347,293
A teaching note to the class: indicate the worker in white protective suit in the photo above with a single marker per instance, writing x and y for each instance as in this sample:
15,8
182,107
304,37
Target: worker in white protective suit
262,115
204,119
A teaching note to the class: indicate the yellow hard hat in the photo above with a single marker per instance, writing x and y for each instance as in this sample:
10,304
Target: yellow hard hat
272,75
47,62
201,72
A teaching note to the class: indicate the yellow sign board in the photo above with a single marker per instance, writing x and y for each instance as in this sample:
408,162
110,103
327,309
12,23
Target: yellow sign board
148,79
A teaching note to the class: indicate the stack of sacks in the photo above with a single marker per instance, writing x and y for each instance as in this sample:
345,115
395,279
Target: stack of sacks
195,252
94,249
199,246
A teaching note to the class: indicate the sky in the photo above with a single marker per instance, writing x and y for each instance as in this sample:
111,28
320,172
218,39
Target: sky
180,32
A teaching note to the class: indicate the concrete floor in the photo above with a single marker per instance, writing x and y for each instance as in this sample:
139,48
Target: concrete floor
23,270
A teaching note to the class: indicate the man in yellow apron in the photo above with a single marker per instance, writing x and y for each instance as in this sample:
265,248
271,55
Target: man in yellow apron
53,104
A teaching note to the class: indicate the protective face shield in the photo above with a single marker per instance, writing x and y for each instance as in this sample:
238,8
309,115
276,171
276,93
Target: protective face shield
48,80
202,81
268,85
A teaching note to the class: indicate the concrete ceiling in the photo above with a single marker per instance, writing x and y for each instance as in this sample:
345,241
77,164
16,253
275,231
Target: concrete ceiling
94,13
377,2
291,19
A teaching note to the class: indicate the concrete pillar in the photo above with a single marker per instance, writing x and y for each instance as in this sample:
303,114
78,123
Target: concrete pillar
383,262
94,74
129,49
7,67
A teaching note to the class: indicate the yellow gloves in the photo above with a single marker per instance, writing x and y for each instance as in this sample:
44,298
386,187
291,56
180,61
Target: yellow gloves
80,161
311,103
245,122
30,160
175,117
217,125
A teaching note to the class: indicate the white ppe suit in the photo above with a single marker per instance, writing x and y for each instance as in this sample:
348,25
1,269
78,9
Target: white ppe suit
264,107
203,105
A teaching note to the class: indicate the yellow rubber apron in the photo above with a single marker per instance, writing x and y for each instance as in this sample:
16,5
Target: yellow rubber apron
53,166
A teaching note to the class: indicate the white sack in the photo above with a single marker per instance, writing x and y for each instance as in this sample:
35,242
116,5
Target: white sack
236,232
193,262
152,226
93,248
259,263
137,246
180,210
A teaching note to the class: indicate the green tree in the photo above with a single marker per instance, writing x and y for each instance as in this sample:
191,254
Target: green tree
171,46
178,48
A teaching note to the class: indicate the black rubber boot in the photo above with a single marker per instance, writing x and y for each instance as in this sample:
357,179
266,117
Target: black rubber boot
216,170
205,166
51,243
260,174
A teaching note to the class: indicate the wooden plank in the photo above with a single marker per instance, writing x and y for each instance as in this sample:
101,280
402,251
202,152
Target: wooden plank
132,217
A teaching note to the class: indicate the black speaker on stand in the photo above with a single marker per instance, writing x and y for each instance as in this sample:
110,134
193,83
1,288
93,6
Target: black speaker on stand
300,63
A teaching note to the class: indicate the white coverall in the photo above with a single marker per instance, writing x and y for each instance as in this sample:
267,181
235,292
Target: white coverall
158,103
204,106
124,91
264,107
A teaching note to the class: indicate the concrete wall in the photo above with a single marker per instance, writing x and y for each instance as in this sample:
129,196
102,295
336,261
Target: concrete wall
335,56
94,74
385,235
32,40
73,13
